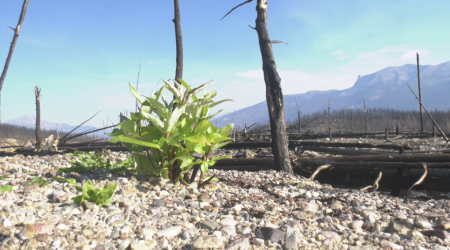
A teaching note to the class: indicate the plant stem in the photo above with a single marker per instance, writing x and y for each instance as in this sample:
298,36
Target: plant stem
201,171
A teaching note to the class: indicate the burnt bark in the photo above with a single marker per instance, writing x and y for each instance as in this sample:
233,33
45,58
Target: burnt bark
38,118
11,48
179,45
274,95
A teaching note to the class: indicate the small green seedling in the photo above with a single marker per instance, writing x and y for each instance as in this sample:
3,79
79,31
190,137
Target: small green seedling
39,180
101,196
5,187
93,161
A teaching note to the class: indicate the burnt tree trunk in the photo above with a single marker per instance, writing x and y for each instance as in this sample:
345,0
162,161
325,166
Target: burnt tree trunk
179,45
11,48
38,118
274,94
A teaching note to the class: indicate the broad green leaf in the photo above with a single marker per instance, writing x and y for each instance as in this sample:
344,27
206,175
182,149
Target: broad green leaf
221,139
173,118
219,102
202,126
204,167
172,140
89,192
115,132
3,178
155,121
136,94
135,139
78,199
133,148
211,137
198,89
40,181
187,127
162,110
209,95
152,134
226,130
137,116
106,203
106,194
197,138
213,115
158,94
172,89
219,145
185,85
165,102
142,164
128,126
5,188
219,158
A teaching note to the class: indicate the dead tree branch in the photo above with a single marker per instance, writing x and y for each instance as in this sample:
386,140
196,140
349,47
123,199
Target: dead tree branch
276,41
429,115
246,2
64,137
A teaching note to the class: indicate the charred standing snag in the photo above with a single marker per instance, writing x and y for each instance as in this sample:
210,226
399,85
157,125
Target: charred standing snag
274,95
179,44
11,48
38,118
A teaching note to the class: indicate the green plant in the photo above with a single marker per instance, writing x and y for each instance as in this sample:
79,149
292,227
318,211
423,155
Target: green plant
163,136
93,161
101,196
39,180
5,187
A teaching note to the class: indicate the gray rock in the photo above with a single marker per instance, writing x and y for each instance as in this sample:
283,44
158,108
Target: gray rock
246,216
228,231
290,241
241,243
210,225
295,224
271,234
158,203
185,235
194,204
207,242
124,245
169,232
203,197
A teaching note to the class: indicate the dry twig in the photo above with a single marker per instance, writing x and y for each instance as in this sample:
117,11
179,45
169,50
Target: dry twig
317,171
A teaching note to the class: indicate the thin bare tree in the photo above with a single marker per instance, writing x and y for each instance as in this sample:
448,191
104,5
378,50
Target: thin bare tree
11,48
274,95
179,44
39,138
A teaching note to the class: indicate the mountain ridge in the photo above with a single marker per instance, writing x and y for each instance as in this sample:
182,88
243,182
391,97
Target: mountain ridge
386,88
29,121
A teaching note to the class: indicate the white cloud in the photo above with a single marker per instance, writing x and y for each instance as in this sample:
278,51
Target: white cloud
411,55
340,55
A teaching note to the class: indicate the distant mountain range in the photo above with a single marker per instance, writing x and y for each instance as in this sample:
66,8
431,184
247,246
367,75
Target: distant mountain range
29,121
383,89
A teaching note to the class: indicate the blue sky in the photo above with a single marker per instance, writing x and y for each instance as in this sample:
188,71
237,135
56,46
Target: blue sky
82,54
